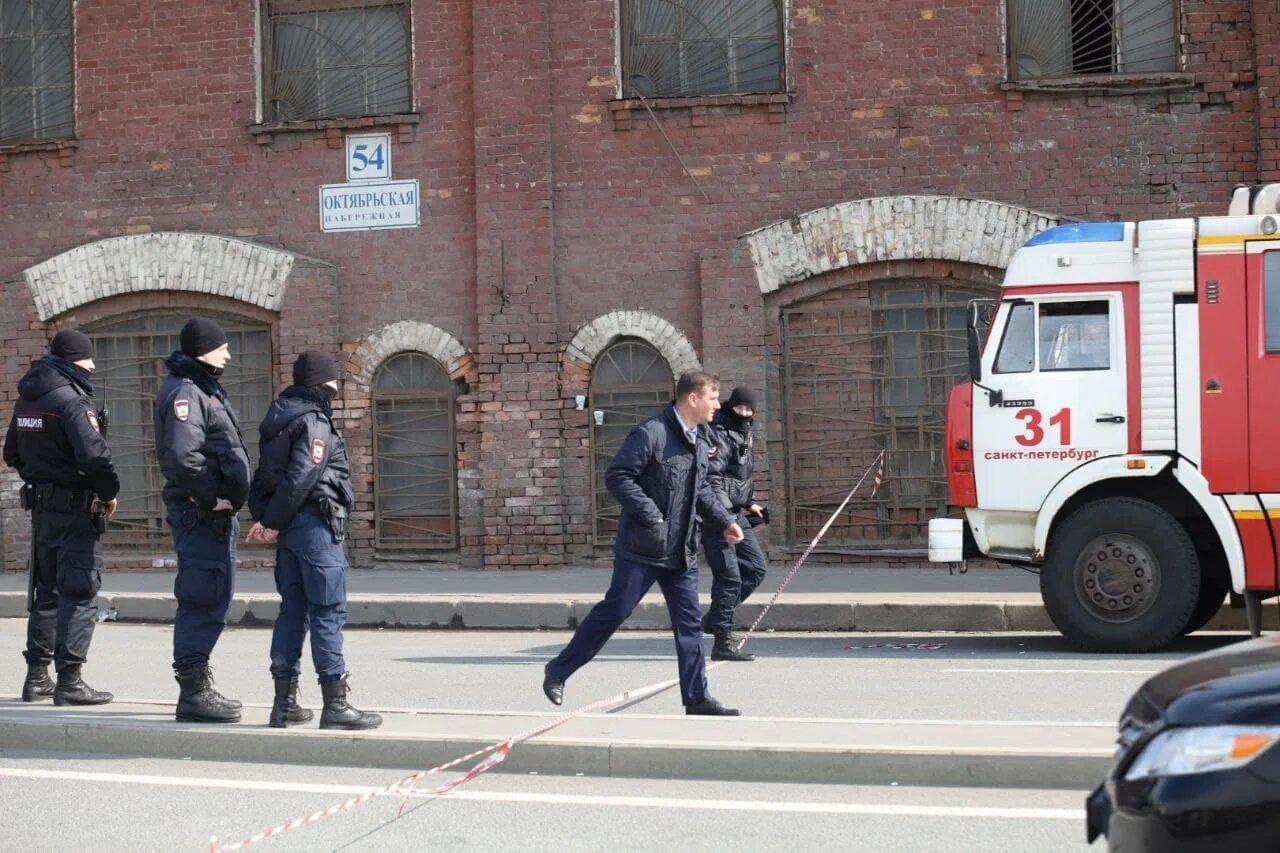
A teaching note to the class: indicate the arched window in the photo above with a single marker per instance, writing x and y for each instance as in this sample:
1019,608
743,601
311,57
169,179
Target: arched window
630,381
129,353
415,490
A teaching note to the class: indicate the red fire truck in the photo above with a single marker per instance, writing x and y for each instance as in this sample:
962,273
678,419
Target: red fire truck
1121,427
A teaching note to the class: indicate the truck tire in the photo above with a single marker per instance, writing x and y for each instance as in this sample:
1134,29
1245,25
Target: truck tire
1121,575
1215,583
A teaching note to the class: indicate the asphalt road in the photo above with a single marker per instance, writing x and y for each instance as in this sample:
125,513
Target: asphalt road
72,801
1012,677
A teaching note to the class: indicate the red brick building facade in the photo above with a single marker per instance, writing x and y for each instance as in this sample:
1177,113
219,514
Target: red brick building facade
802,201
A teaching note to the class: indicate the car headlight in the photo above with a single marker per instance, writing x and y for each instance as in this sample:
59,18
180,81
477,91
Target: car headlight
1177,752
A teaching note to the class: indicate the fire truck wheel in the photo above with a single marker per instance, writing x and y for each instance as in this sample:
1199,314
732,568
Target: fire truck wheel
1121,575
1215,583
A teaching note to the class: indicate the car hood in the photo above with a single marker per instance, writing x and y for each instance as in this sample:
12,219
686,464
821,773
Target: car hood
1238,685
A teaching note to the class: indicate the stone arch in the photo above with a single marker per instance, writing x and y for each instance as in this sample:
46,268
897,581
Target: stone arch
168,260
408,335
592,338
891,228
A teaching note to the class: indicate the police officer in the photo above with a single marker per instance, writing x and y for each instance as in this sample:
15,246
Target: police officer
659,478
206,471
736,569
300,499
55,442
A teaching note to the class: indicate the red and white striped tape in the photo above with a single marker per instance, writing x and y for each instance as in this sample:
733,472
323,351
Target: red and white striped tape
502,749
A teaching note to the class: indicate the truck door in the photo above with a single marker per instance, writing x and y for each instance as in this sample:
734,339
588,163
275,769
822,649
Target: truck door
1058,375
1263,360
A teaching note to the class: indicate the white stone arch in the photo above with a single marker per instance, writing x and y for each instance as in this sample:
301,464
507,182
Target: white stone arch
593,337
407,336
891,228
168,260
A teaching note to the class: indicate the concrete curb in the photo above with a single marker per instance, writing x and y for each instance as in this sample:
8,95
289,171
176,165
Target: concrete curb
975,767
808,613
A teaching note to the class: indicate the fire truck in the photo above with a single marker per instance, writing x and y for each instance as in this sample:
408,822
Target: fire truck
1120,428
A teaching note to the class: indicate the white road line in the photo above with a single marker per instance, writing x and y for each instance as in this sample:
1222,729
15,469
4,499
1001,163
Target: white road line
1030,671
561,799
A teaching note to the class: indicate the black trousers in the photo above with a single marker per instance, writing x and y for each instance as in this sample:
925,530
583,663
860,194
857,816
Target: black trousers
736,571
68,574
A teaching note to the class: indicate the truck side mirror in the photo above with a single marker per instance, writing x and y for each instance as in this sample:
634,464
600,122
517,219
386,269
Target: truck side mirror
975,353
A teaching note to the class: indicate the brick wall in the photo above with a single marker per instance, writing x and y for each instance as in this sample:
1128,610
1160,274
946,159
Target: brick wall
547,204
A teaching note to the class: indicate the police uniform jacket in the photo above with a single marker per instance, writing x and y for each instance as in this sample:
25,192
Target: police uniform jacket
731,466
660,479
302,459
198,442
54,436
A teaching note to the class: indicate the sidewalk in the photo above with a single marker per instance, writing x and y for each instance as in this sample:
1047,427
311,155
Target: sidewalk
820,598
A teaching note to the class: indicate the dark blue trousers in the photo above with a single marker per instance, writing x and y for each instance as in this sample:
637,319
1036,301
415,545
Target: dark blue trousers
203,587
736,571
68,573
630,582
311,577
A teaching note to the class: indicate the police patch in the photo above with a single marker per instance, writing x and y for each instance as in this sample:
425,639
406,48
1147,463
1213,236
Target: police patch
92,417
317,451
29,423
182,409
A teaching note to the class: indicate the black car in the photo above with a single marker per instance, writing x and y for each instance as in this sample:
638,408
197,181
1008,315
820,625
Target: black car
1198,767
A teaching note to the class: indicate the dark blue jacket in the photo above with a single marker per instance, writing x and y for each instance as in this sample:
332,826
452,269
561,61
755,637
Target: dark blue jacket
54,435
302,459
731,466
660,479
198,441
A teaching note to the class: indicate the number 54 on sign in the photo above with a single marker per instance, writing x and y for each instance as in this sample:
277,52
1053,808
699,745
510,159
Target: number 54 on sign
368,156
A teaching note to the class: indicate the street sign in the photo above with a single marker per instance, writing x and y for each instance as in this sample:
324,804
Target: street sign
369,206
369,157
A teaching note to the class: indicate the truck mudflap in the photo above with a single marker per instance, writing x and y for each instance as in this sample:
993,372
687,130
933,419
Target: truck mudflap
951,541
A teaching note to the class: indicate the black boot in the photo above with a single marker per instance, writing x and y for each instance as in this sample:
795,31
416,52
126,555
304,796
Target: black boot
38,684
231,703
726,648
286,711
709,707
337,714
71,689
198,702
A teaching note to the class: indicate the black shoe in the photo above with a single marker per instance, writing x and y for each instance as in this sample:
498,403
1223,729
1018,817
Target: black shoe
229,702
554,688
38,685
726,648
198,702
711,708
71,690
338,714
286,711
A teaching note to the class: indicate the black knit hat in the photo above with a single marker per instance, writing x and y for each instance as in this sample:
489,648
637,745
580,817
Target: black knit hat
201,336
742,396
314,368
71,344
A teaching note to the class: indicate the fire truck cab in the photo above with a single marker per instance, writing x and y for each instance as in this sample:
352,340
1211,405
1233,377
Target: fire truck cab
1121,426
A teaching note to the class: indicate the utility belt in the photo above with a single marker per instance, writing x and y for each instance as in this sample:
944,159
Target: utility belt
48,496
334,514
219,522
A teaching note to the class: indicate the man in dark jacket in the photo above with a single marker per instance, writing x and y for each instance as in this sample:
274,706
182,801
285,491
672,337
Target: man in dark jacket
736,568
55,443
659,478
300,499
206,471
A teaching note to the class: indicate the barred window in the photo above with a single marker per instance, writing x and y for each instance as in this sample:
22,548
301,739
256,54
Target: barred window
335,59
415,491
674,48
35,70
1062,38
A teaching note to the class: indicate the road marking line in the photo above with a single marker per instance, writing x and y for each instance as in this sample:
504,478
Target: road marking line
1031,671
560,799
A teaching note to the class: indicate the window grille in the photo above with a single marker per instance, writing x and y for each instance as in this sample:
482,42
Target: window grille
1062,38
415,490
35,70
335,59
675,48
630,382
